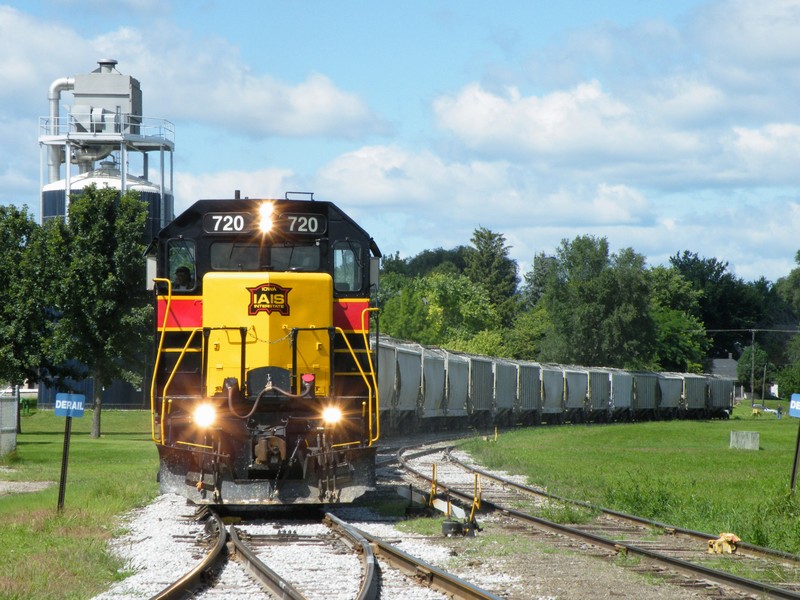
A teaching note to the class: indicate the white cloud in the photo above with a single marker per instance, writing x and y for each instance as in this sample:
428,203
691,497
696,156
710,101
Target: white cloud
266,183
415,201
659,136
584,131
182,77
582,120
770,151
684,100
389,175
32,54
751,33
208,82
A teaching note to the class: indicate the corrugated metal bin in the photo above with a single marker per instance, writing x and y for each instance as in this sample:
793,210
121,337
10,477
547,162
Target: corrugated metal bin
433,383
552,390
387,376
529,392
621,395
481,390
505,391
720,397
695,391
576,393
670,387
409,379
457,385
645,395
599,394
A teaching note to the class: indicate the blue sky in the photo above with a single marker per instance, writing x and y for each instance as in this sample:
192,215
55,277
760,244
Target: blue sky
662,126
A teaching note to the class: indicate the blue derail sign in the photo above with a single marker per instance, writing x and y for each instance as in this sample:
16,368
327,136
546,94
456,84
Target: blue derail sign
71,405
794,406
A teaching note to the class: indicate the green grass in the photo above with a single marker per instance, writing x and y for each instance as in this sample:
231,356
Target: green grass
678,472
47,554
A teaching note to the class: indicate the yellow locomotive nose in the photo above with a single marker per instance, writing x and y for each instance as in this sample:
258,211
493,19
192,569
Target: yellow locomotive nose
268,306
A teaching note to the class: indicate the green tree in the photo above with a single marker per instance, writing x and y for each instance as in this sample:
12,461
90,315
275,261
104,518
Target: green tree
404,314
788,288
104,313
24,316
23,319
525,339
792,352
777,318
439,309
681,343
486,343
788,380
754,370
447,261
535,281
599,308
788,377
488,264
727,303
670,289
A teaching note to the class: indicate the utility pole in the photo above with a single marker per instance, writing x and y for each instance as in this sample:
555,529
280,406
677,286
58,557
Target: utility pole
752,366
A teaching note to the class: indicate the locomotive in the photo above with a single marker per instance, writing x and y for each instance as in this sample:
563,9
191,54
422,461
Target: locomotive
264,386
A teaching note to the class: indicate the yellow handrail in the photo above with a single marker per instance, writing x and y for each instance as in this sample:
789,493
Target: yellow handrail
172,376
340,331
158,356
365,332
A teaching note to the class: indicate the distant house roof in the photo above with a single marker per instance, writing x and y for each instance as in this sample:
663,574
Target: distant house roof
725,367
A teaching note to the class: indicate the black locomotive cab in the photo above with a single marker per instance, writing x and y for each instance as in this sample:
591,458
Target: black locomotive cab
264,387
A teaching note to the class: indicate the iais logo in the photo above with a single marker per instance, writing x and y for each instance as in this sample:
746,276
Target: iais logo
269,297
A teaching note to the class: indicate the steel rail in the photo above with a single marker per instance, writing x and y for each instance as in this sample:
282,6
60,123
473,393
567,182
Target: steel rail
186,587
426,573
751,548
369,583
682,566
257,569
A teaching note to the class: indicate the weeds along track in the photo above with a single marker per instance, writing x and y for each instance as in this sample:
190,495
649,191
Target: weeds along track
679,556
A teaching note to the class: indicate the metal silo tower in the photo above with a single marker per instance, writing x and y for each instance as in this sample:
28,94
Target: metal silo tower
104,139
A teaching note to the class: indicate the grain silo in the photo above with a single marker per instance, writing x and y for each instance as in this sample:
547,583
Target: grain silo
103,138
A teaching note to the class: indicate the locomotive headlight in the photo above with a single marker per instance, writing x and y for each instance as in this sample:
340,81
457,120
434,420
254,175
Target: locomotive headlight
265,211
204,415
331,415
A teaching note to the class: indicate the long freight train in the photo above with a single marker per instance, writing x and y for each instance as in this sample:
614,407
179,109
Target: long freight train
266,379
424,388
264,387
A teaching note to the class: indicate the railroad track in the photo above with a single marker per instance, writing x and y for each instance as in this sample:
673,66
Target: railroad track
309,560
665,549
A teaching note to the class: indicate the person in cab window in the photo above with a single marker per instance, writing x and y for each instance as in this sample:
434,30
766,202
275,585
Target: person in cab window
183,279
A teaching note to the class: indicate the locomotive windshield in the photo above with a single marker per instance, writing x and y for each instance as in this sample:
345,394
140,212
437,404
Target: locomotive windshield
239,256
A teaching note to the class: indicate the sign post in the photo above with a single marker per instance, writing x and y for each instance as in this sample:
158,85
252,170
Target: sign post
794,411
67,405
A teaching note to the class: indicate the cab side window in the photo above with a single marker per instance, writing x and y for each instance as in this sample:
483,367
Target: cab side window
347,267
182,267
